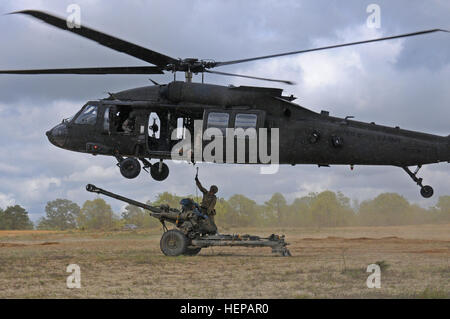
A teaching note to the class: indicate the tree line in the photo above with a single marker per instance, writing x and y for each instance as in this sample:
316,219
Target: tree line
325,209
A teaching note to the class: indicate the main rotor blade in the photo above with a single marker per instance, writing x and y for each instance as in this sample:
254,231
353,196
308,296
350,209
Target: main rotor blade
112,70
111,42
329,47
250,77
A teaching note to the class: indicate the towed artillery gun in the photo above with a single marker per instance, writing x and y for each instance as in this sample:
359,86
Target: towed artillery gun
189,236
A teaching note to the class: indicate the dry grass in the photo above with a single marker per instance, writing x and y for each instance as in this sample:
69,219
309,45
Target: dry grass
15,233
326,263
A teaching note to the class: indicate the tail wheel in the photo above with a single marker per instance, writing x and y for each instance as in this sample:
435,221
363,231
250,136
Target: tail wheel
426,191
159,173
173,243
130,168
192,251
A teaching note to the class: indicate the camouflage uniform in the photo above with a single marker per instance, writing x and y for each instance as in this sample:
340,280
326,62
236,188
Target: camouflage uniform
207,206
127,125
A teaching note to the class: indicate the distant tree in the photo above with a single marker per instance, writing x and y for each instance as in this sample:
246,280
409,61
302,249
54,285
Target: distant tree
443,207
96,214
139,217
61,214
277,208
4,224
322,209
346,215
170,199
329,209
15,218
385,209
224,213
243,211
149,221
326,209
133,215
301,210
420,215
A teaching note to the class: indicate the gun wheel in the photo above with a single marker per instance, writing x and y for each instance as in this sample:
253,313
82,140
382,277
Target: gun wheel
173,243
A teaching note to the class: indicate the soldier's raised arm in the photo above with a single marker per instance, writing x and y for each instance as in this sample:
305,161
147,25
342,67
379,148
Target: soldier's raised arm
200,187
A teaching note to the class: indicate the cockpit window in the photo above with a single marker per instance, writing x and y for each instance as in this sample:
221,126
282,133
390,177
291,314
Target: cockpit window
69,119
88,115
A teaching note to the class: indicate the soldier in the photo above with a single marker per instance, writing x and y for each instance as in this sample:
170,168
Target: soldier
128,124
208,203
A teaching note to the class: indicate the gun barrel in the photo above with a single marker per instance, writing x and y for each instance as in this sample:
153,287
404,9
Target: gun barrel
156,211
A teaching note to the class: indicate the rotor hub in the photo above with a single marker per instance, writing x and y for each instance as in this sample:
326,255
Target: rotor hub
193,65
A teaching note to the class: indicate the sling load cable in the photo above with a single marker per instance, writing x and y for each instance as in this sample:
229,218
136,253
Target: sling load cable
196,188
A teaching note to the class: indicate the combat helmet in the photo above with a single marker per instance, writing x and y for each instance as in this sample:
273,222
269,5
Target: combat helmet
213,189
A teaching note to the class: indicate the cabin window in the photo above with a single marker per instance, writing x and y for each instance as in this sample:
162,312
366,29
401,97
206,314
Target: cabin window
219,120
245,121
106,120
154,124
123,119
181,129
88,115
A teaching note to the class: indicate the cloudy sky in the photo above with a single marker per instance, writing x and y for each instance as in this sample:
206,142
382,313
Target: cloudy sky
402,82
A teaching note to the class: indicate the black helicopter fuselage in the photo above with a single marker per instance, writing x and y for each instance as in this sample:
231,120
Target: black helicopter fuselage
155,122
305,137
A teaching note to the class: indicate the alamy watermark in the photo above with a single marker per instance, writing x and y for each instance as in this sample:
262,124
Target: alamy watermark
374,19
74,18
73,280
240,145
374,280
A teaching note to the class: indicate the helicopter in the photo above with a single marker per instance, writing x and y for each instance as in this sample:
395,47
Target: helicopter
137,125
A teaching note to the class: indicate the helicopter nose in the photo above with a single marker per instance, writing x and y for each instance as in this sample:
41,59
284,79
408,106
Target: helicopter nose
57,135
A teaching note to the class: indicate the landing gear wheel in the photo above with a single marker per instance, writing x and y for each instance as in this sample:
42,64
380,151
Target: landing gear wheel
173,243
426,191
192,251
130,168
157,174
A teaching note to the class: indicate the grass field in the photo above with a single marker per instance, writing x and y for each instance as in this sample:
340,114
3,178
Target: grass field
325,263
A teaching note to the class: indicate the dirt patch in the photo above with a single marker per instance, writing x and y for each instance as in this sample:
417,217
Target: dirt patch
392,237
49,243
351,239
361,238
432,251
11,245
23,245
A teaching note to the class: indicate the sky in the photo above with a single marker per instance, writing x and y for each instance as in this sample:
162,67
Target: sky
401,82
